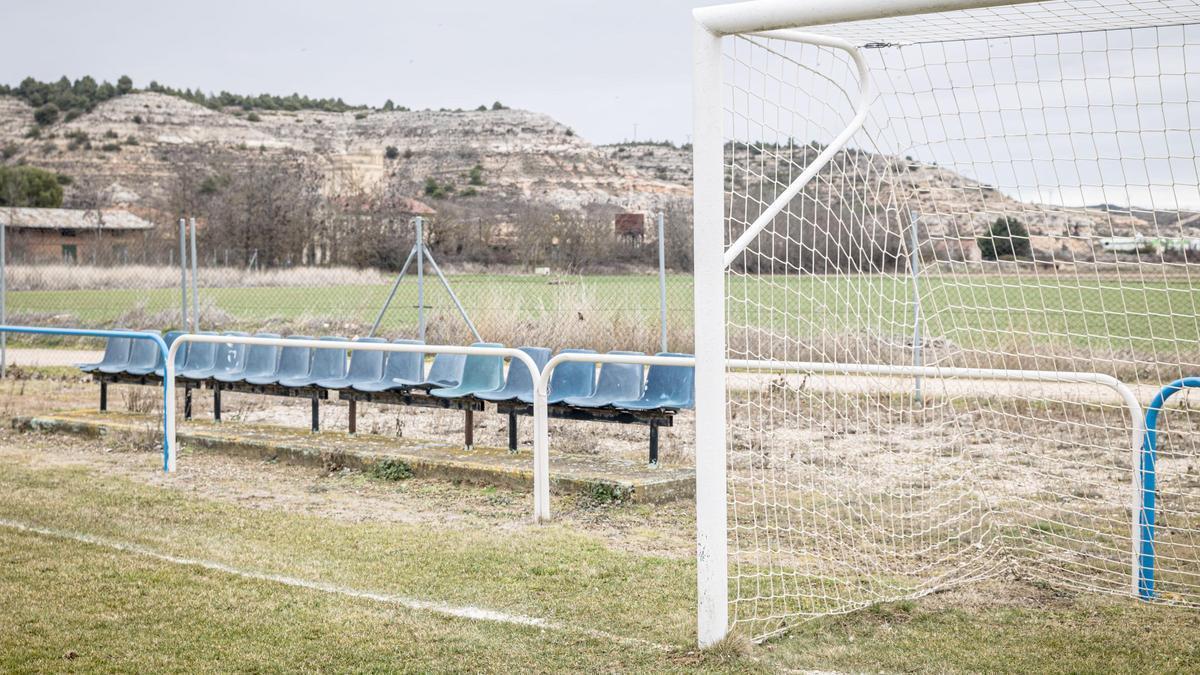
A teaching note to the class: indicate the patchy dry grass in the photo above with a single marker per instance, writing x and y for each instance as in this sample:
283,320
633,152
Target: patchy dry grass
68,605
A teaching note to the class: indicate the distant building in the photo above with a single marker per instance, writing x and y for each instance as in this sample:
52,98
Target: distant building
72,235
631,226
1140,244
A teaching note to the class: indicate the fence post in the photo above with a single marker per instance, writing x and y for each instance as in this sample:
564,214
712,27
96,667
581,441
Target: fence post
914,256
419,223
662,285
195,293
183,312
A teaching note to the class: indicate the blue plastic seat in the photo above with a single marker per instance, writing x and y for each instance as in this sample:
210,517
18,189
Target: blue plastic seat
617,382
445,371
144,357
116,355
230,359
518,386
180,354
573,379
258,360
667,387
327,363
366,365
201,359
294,362
481,372
401,369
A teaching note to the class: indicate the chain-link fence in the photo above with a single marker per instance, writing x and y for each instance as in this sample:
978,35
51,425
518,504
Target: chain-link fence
543,306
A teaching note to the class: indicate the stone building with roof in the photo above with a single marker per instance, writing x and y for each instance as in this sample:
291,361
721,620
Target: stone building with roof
105,236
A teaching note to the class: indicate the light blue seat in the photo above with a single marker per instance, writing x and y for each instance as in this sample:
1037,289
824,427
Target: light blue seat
327,363
201,359
293,362
116,355
180,354
400,370
667,388
445,371
365,366
617,382
143,356
518,386
258,361
480,373
230,359
573,379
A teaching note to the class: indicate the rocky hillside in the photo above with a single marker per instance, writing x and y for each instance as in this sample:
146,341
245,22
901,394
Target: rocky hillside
130,146
129,149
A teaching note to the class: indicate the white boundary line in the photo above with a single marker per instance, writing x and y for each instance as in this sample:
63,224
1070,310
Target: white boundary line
457,611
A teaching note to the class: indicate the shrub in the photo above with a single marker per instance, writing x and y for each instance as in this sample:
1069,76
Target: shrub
436,190
253,117
29,186
482,108
408,153
111,147
110,134
46,115
476,175
499,106
392,152
360,115
1007,238
137,119
391,469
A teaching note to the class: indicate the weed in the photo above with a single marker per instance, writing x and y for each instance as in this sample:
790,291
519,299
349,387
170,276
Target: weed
391,470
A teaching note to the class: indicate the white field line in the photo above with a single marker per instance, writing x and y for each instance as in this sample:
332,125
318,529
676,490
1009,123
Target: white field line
457,611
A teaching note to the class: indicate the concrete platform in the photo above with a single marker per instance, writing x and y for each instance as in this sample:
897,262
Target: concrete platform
588,475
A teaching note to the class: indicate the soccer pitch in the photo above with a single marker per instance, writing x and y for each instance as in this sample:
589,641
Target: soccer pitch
239,564
1072,312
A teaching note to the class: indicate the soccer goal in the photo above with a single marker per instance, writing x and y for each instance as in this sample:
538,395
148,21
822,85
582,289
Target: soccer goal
957,244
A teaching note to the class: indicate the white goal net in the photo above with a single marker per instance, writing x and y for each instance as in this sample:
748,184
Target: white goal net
1023,194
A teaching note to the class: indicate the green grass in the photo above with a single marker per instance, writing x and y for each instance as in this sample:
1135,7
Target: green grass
984,312
1064,635
68,605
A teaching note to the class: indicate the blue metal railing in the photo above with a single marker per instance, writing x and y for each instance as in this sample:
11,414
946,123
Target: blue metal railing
1149,485
136,335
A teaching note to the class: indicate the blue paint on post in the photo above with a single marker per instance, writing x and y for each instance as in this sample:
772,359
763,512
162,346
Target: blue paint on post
1149,457
136,335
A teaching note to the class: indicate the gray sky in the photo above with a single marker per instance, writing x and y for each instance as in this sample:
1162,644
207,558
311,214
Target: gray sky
600,66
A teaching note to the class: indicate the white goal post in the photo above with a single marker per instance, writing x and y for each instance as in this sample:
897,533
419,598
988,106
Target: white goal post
997,199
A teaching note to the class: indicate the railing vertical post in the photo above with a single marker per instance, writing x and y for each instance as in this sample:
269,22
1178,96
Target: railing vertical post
1146,481
541,451
3,300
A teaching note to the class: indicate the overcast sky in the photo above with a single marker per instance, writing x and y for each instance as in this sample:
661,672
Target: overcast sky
600,66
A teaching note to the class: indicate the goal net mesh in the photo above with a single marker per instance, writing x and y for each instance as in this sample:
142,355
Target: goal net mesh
1023,195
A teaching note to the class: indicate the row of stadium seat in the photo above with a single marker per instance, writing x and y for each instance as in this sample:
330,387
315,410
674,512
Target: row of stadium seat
624,393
